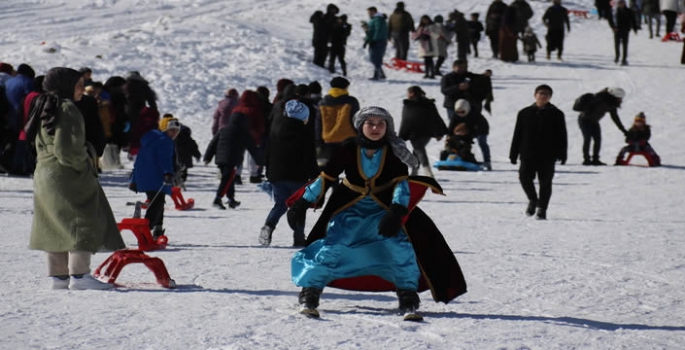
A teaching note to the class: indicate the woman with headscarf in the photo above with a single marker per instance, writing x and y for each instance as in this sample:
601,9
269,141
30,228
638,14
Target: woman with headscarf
72,217
371,236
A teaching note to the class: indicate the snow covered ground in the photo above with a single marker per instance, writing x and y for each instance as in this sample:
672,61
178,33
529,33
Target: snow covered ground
606,271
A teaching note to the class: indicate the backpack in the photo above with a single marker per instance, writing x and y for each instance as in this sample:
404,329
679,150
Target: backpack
583,102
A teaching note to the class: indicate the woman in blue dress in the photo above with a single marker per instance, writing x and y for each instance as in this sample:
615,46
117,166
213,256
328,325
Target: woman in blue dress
362,240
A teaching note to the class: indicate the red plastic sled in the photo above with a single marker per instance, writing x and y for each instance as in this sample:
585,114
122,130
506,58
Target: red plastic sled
672,36
652,158
116,262
410,66
179,202
579,13
141,229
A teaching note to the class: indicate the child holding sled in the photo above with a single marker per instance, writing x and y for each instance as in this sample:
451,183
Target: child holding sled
636,138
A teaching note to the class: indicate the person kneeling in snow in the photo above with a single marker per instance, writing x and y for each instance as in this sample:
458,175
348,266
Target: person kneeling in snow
153,170
371,236
636,138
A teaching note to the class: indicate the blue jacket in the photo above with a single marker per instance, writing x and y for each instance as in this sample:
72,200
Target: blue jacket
16,89
156,158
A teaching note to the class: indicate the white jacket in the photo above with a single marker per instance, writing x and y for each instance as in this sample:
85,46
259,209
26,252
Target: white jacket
672,5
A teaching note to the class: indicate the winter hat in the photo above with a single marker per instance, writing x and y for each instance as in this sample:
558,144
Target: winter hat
462,104
169,123
438,19
231,93
616,92
315,87
640,117
340,83
26,70
296,109
6,68
282,83
397,144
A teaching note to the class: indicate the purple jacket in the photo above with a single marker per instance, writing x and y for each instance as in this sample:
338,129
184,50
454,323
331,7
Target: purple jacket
223,111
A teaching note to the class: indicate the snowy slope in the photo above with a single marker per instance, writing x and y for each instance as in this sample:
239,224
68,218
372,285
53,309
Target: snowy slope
606,271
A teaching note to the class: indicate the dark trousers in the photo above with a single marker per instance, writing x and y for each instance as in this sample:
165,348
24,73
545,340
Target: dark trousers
401,42
555,41
226,185
591,132
429,66
545,173
339,53
621,39
671,17
438,64
320,53
282,190
494,43
474,43
463,49
155,208
419,146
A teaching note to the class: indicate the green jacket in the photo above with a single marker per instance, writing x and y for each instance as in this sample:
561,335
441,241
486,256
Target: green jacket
71,212
378,29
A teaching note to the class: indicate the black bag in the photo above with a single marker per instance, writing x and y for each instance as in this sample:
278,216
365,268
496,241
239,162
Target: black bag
583,102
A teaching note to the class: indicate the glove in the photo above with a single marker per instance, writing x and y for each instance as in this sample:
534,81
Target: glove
132,186
486,106
127,126
513,161
169,179
297,213
391,223
563,161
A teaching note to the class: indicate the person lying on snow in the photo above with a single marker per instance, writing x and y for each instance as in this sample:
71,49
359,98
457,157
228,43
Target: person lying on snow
370,235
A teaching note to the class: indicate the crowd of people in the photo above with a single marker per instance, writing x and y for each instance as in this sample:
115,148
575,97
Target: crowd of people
64,128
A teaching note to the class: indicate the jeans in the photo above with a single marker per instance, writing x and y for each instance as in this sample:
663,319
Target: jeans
376,53
282,190
419,146
484,148
621,39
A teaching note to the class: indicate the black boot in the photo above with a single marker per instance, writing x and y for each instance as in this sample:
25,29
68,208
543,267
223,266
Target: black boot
409,300
530,210
596,161
309,297
541,214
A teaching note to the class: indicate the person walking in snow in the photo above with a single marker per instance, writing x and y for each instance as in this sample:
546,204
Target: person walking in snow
555,18
652,12
230,143
400,25
420,122
475,28
622,22
539,140
362,228
377,41
290,163
493,23
72,218
530,44
339,33
427,36
607,100
334,120
154,170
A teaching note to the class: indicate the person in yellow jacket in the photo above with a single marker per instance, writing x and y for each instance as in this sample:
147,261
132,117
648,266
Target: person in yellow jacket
333,121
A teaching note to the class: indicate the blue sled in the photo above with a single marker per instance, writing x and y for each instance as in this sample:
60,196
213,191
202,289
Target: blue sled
454,162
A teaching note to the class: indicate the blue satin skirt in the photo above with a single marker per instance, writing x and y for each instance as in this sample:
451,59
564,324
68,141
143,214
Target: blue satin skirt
352,248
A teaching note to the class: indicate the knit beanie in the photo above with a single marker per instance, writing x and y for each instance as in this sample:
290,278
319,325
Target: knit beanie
169,123
340,83
462,104
26,70
6,68
640,117
297,110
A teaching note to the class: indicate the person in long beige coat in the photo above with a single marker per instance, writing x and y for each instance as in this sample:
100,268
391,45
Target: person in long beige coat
72,217
427,36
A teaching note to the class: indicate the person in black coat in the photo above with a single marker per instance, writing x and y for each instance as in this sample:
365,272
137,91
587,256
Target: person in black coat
493,23
138,94
539,140
291,162
229,145
420,122
462,84
186,149
95,133
607,100
555,18
340,30
622,22
603,8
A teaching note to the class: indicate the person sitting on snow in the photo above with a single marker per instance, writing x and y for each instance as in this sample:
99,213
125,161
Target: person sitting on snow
462,128
636,138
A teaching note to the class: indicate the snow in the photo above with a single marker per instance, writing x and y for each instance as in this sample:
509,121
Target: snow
606,271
